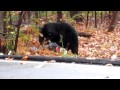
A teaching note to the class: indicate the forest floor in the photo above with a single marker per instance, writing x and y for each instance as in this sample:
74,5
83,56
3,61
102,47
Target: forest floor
102,44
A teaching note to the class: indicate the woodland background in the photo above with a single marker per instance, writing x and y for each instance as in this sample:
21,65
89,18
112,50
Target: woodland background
19,32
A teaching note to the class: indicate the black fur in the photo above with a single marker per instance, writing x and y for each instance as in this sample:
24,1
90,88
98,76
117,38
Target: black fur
60,31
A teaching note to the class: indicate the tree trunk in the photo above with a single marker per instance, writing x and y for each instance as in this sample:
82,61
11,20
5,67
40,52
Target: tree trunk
1,23
101,16
92,13
27,17
113,21
95,19
36,14
1,29
46,14
109,16
59,16
87,18
18,28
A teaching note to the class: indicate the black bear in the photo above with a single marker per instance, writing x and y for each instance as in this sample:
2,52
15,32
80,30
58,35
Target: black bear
61,33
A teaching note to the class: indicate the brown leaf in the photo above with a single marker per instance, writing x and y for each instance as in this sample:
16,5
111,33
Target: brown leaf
25,58
9,58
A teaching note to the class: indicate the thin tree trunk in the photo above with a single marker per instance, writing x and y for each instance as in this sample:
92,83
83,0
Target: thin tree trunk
95,19
92,13
27,17
109,16
87,18
1,23
4,23
59,16
1,29
10,22
22,13
101,16
46,15
36,14
113,21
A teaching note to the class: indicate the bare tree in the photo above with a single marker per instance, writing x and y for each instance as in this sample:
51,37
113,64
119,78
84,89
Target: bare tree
59,16
95,19
113,20
101,16
46,14
92,13
87,18
36,14
21,16
27,17
2,13
109,16
1,23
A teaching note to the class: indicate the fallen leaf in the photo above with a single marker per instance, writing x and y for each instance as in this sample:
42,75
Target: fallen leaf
9,58
25,58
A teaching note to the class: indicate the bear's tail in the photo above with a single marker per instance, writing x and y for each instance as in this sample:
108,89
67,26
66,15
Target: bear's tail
83,34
